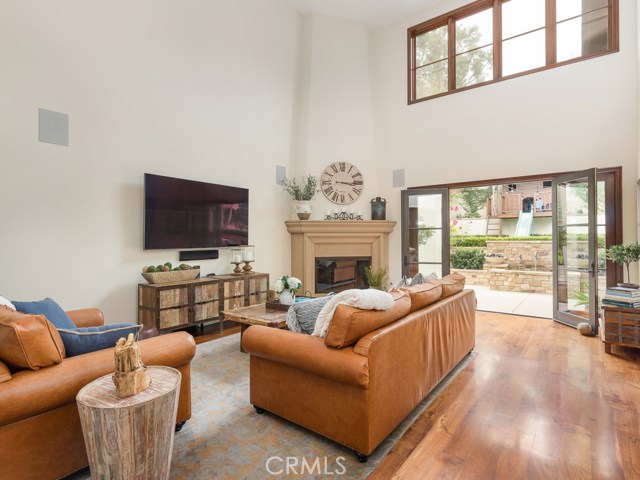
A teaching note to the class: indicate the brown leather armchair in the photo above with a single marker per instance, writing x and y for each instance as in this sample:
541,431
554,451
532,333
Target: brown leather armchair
40,432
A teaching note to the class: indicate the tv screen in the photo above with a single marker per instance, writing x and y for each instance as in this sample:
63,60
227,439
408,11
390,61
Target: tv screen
185,214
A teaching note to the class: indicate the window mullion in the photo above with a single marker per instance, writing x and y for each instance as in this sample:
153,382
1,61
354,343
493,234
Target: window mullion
497,39
452,54
551,42
613,26
411,62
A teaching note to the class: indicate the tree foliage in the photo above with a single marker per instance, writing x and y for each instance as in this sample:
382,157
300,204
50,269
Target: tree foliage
472,199
432,52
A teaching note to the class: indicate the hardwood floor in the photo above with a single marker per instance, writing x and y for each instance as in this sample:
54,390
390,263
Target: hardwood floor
539,401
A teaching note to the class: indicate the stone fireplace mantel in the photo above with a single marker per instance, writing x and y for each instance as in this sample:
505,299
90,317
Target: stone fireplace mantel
311,239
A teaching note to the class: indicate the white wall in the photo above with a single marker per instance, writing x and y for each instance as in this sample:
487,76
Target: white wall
569,118
336,116
204,90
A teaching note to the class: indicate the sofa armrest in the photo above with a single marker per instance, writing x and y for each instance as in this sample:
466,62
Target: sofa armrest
31,392
307,353
87,317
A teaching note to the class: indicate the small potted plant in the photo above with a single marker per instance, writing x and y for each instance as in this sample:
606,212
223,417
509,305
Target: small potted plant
376,278
625,255
302,193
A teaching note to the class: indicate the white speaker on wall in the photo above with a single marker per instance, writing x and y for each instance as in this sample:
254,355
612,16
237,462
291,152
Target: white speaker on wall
281,173
53,127
398,178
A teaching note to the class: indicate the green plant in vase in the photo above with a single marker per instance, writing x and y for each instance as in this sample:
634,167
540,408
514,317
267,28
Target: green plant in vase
625,254
302,193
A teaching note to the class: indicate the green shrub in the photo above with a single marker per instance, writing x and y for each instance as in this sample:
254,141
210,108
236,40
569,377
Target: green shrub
468,258
481,240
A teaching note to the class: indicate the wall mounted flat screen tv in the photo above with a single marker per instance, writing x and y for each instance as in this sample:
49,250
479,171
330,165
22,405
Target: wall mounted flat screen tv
185,214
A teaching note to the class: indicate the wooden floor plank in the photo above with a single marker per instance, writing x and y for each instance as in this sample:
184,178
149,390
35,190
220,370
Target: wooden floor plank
538,401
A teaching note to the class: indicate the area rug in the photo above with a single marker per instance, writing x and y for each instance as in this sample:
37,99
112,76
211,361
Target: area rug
226,439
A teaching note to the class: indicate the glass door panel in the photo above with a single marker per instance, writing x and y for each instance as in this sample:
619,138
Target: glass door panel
575,249
425,232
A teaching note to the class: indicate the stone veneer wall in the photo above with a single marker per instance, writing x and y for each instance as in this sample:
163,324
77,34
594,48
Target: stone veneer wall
522,255
510,280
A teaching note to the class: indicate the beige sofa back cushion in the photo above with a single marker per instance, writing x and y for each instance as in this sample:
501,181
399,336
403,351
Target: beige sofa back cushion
423,294
350,323
28,341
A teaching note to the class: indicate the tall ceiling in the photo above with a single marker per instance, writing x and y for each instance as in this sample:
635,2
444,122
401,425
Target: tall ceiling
373,13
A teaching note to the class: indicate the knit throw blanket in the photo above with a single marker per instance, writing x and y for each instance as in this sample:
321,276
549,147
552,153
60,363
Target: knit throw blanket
369,299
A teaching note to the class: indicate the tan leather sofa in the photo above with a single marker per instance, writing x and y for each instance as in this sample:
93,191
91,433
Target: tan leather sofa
40,432
356,395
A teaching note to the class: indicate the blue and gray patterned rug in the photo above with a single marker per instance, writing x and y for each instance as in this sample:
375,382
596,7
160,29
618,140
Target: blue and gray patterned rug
227,439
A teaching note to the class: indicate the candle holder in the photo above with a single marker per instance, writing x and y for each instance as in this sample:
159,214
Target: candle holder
236,259
247,266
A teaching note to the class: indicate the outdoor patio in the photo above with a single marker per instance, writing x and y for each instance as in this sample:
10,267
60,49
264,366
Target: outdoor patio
517,303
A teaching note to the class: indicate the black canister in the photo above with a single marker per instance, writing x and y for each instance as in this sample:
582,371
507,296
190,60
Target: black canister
378,208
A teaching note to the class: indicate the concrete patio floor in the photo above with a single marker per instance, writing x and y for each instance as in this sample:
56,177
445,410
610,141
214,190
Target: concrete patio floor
517,303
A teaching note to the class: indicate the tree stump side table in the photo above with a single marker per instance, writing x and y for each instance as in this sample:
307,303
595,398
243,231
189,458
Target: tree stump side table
130,438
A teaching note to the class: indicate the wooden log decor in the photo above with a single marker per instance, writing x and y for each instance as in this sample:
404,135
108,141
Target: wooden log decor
130,377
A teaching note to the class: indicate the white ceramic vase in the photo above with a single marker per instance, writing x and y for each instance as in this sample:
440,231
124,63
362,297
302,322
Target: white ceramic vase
303,209
287,297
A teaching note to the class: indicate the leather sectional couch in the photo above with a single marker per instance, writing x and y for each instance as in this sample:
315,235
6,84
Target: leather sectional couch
40,432
373,368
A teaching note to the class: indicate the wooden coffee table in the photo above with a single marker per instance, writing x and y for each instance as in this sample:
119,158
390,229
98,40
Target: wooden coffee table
256,315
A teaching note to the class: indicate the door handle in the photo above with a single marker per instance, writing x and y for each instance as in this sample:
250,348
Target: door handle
592,270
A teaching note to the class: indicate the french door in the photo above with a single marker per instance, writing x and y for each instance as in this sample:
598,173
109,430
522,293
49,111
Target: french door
575,272
425,232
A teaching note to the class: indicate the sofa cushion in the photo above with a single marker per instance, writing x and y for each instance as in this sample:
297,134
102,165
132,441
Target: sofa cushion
78,341
451,284
50,309
5,374
301,317
28,341
350,323
423,294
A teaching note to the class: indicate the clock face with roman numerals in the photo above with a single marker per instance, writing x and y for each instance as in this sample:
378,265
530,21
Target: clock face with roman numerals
342,183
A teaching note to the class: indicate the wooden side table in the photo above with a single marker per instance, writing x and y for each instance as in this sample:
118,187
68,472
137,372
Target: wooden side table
130,438
621,327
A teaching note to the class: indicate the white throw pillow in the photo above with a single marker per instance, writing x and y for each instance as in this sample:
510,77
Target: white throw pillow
4,301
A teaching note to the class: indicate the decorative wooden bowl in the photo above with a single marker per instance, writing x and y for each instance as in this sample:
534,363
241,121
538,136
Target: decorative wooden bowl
171,276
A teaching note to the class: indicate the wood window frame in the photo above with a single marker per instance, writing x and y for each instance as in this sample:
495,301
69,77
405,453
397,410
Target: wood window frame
449,19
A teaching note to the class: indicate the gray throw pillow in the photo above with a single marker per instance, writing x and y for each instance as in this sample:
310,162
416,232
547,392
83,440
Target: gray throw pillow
419,278
301,317
399,284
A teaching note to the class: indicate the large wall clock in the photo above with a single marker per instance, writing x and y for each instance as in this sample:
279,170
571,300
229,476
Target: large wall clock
342,183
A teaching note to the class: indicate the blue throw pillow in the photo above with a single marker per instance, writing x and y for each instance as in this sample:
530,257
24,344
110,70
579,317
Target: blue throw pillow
78,341
50,309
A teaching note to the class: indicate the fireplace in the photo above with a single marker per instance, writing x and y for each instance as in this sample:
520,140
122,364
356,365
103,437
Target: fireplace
340,273
366,242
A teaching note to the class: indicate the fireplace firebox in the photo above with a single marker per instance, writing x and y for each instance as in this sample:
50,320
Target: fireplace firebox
340,273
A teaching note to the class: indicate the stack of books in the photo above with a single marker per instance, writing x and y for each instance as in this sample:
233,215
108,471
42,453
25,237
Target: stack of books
622,297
